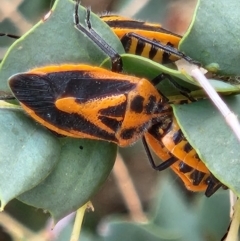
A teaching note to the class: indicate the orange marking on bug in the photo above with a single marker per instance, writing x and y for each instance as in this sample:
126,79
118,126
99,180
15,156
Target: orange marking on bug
91,109
178,150
187,180
75,67
156,34
191,160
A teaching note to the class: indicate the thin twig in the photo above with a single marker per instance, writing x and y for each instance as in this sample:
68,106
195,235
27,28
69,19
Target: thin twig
128,191
232,200
78,222
233,231
17,230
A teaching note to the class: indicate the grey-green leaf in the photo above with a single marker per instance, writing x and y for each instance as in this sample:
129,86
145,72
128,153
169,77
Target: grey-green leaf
214,36
23,162
83,167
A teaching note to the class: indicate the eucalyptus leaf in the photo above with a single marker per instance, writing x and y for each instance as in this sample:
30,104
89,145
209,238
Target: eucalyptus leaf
23,162
83,167
213,38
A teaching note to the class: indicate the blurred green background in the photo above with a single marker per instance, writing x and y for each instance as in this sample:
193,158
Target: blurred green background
174,212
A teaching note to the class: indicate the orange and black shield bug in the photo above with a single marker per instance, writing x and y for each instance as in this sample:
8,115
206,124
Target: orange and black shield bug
171,146
82,101
148,40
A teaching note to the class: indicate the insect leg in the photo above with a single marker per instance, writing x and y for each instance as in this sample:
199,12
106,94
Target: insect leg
213,186
161,166
9,35
101,43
